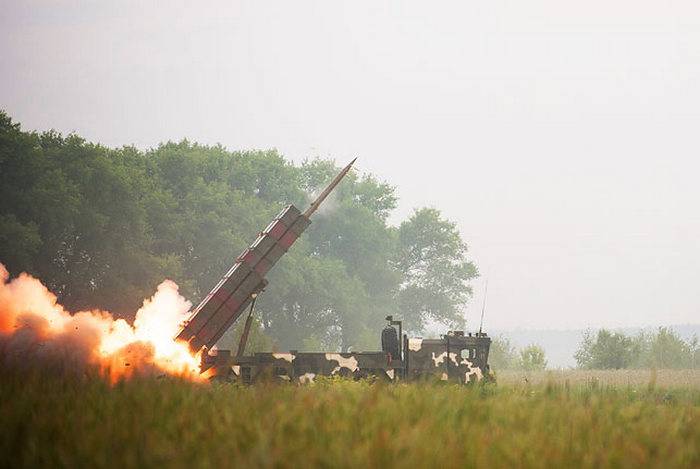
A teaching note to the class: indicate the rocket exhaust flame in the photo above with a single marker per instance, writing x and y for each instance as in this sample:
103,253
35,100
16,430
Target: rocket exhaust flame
34,328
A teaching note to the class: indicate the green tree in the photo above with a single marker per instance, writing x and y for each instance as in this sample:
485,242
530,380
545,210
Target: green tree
73,216
666,349
212,203
532,358
605,350
432,258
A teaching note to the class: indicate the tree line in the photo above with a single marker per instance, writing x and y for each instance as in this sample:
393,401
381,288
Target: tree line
101,227
606,350
663,348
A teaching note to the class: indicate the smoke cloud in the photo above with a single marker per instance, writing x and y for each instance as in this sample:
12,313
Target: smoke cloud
35,330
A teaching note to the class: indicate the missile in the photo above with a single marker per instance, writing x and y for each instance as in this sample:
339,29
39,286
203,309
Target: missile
322,196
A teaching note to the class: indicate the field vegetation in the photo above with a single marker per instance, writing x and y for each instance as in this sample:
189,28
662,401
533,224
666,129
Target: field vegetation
84,422
636,378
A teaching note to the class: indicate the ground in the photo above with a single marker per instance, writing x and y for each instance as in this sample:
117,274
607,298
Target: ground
567,420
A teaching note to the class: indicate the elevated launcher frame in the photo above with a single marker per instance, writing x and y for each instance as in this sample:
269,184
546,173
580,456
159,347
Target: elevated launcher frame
453,357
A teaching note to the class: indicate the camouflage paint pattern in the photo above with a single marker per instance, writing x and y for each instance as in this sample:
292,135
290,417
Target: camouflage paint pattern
454,357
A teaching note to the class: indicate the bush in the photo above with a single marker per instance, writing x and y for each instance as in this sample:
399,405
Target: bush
532,358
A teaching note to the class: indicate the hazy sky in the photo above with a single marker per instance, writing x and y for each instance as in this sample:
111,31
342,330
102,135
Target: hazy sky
562,136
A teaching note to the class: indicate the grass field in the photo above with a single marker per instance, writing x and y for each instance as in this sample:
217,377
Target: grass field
616,378
52,422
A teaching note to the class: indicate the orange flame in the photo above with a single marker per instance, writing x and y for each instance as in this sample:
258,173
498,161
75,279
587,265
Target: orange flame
33,325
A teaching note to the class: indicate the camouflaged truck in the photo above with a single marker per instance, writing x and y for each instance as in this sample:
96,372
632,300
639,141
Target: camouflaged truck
455,356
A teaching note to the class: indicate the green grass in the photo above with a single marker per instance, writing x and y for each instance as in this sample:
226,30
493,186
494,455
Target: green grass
616,378
69,422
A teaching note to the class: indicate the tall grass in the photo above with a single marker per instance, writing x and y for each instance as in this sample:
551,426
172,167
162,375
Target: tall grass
617,378
83,422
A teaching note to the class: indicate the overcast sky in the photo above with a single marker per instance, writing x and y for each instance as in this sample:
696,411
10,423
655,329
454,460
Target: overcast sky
561,136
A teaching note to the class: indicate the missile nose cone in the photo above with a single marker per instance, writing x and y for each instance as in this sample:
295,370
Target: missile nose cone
315,204
347,168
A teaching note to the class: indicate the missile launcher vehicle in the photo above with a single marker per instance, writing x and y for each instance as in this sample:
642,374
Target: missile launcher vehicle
455,357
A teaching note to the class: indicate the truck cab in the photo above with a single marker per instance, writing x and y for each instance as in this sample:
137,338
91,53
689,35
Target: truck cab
456,357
